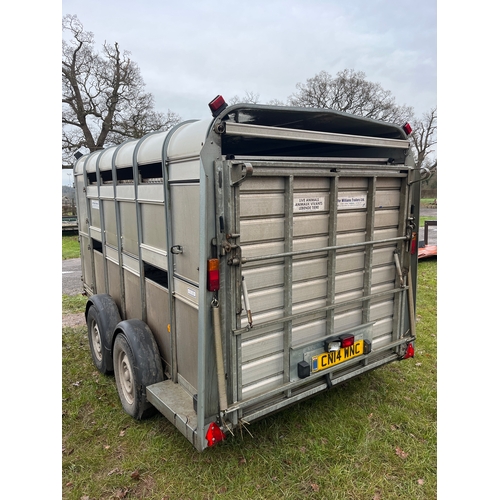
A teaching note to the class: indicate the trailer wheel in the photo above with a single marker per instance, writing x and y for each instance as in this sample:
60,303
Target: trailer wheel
137,364
100,355
102,316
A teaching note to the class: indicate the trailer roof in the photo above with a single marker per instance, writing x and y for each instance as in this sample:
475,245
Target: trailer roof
322,120
187,138
311,120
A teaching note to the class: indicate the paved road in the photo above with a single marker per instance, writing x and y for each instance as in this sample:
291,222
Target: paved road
71,277
432,239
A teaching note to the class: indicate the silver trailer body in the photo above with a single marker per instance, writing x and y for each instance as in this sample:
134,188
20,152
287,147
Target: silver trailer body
311,217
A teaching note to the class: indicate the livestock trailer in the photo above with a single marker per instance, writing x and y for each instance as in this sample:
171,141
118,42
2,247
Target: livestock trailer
239,264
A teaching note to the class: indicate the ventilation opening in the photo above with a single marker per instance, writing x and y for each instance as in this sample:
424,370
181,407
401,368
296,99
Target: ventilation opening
106,176
153,273
97,245
91,177
152,173
125,175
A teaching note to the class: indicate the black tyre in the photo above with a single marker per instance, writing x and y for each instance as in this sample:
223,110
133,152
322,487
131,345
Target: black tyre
137,364
102,317
101,356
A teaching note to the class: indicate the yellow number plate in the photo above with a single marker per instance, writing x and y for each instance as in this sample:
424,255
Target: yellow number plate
329,359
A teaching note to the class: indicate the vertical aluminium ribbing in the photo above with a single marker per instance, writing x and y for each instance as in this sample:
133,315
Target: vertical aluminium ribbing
236,272
287,277
203,315
114,176
101,218
332,254
138,217
370,230
87,224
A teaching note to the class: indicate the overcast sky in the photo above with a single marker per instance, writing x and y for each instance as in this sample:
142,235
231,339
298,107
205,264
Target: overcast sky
189,52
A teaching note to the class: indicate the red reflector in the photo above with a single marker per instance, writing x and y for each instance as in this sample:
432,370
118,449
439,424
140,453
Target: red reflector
414,243
214,434
407,128
346,340
217,105
213,275
410,351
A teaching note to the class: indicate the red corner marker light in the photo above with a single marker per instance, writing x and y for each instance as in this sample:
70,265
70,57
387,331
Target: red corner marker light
407,128
213,275
214,434
410,351
217,105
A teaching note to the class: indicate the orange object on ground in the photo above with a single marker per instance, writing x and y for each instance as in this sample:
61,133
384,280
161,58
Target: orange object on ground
427,251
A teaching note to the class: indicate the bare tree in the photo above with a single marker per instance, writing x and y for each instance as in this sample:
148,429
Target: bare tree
350,92
424,138
253,98
248,98
103,95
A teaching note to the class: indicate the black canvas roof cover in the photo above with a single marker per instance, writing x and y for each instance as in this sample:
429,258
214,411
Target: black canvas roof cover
310,119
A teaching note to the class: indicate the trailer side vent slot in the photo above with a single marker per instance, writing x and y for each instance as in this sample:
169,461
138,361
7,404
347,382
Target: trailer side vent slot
106,177
153,273
97,245
91,177
151,173
125,175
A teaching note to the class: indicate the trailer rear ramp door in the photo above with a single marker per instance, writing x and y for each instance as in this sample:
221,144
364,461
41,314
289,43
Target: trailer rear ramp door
316,243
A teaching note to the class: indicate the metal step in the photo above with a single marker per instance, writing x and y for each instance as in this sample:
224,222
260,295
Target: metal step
175,403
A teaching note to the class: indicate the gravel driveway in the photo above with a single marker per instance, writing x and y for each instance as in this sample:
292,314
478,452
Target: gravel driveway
72,285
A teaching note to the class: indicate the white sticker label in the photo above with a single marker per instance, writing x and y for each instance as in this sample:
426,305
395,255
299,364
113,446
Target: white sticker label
350,200
191,292
309,204
95,204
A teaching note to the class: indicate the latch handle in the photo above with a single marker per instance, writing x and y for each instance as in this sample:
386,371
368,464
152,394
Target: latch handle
177,249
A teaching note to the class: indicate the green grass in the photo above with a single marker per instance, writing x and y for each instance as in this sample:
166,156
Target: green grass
372,438
424,218
73,303
427,202
70,247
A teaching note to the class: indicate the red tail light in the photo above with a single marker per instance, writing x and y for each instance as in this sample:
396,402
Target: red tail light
407,128
214,434
414,243
217,105
346,340
213,275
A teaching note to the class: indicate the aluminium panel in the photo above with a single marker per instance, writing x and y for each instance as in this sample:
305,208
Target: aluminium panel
261,220
154,227
99,272
158,319
109,211
133,302
186,331
114,282
128,230
150,193
125,154
185,202
150,149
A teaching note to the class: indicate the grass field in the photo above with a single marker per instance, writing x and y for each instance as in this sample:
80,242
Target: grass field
373,438
70,247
